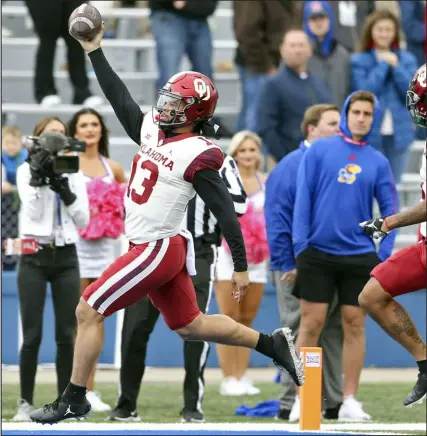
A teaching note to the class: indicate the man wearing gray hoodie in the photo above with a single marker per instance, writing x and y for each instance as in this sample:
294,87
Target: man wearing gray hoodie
330,60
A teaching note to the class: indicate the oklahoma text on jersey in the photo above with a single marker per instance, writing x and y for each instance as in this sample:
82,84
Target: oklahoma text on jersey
156,156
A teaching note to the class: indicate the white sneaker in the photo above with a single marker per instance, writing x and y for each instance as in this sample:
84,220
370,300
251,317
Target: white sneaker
6,33
95,401
294,415
351,410
231,387
24,410
250,388
51,101
93,101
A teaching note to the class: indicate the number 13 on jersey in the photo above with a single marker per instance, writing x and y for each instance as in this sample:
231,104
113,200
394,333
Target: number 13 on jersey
147,173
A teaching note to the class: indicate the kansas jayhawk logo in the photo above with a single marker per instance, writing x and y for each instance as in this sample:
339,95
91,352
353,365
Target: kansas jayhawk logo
348,173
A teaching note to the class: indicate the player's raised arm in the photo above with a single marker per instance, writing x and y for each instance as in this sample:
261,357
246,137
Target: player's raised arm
125,107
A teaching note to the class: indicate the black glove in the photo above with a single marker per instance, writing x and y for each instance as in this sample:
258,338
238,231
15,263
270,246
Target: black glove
373,229
60,185
37,179
40,162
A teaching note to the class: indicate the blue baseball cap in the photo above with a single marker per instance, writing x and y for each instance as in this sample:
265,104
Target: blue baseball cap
316,9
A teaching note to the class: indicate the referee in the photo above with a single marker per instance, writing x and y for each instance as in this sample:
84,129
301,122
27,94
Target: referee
140,318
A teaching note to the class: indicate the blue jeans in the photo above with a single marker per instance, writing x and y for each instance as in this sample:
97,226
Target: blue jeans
398,158
251,84
176,36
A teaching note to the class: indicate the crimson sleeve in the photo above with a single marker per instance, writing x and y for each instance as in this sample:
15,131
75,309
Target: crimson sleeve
213,191
210,159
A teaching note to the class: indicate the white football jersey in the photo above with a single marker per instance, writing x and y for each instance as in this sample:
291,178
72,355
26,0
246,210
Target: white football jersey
160,185
423,185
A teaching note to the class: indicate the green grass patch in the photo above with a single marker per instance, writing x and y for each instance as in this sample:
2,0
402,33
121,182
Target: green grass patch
162,402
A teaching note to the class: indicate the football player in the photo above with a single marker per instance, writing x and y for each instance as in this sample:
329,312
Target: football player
405,271
174,162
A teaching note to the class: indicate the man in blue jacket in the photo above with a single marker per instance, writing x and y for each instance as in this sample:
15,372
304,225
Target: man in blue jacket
320,120
338,179
284,97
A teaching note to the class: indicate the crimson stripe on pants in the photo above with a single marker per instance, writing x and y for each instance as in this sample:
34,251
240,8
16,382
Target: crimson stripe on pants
128,277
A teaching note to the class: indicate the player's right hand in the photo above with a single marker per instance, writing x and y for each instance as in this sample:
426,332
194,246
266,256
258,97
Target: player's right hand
240,283
94,43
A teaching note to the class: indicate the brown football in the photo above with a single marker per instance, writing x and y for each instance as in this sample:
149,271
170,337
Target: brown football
85,22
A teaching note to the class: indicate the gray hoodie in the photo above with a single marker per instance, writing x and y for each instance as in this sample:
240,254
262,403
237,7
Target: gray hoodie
334,70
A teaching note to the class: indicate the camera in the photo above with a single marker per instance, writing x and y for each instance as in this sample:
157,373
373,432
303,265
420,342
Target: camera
48,154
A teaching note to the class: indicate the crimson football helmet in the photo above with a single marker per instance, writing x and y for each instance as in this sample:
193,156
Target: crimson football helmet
416,97
188,97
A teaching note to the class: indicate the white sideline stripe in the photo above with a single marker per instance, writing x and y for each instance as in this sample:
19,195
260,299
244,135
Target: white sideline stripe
141,276
25,426
121,273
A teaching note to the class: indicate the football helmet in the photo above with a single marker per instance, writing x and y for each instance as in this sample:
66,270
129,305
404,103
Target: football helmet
416,97
188,97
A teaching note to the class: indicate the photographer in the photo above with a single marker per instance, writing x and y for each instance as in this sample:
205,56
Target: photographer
54,205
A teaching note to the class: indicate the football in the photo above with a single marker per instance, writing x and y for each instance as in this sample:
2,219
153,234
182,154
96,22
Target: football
85,22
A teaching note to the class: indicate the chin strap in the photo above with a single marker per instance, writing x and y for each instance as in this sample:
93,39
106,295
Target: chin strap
205,128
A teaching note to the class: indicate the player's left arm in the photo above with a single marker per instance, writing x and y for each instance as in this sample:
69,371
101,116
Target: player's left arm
203,174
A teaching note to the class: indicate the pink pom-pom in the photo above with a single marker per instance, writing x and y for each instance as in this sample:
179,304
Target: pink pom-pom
106,202
254,234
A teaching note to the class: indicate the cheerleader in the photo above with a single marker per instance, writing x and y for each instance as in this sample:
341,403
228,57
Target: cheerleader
245,148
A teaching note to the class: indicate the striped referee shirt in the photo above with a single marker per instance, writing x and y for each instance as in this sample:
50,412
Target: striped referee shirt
200,221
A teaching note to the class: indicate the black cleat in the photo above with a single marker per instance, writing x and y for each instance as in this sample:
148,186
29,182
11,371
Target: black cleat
285,355
283,415
123,415
418,394
188,415
60,410
332,412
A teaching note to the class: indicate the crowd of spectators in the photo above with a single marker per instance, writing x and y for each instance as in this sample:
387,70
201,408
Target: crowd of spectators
297,62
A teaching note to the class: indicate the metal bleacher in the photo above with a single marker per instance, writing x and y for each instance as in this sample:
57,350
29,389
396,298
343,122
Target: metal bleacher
133,57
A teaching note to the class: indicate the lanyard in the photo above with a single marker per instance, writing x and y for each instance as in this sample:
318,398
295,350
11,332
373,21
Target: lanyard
58,210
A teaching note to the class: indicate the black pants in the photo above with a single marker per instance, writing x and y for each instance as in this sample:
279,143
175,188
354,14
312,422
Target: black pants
60,267
321,275
9,226
50,19
138,324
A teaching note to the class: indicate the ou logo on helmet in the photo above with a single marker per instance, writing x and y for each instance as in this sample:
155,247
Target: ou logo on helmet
202,89
422,76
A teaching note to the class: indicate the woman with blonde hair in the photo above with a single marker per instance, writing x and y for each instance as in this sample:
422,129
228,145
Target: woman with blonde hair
245,148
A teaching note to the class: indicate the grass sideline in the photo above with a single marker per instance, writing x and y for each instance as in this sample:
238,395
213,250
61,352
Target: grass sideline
162,402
